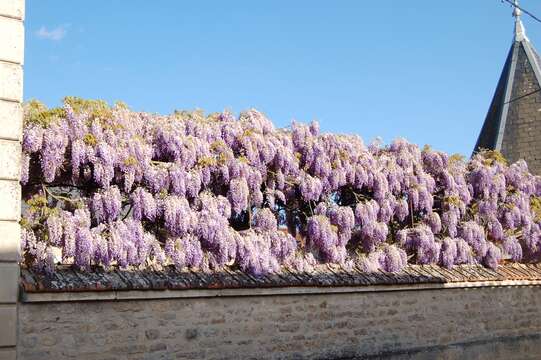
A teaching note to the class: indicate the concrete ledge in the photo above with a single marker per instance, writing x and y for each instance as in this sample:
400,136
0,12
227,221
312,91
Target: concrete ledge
9,273
10,160
10,199
12,45
8,353
12,9
11,120
11,81
9,248
8,325
200,293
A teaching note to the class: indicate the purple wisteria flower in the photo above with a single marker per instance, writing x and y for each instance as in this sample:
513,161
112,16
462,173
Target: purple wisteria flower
111,187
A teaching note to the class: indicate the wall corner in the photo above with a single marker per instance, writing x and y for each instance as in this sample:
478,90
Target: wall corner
11,118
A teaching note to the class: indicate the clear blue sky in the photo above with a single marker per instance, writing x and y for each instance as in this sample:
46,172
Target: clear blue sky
424,70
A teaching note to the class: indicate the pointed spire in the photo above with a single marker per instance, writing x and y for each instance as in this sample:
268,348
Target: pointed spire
520,33
513,122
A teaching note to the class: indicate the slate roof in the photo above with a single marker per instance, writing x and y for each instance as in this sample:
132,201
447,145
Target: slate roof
522,55
69,280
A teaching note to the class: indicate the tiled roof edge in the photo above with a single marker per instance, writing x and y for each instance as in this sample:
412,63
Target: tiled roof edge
70,281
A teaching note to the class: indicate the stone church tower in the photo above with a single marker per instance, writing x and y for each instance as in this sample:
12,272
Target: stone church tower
513,123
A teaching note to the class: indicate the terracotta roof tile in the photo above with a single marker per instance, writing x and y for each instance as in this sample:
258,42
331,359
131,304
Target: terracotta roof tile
66,279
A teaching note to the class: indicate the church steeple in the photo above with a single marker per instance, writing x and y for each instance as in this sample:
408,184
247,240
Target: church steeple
513,122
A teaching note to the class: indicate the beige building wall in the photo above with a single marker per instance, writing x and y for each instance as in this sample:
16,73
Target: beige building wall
11,95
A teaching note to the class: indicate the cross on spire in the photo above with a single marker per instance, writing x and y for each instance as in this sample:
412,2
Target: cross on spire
516,10
520,33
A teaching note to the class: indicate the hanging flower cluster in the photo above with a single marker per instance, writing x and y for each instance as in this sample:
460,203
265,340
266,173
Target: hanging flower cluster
110,187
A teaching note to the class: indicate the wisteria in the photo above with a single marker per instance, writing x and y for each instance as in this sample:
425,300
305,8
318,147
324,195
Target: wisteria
105,186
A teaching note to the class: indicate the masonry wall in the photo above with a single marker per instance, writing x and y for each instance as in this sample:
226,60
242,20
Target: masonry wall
480,323
11,92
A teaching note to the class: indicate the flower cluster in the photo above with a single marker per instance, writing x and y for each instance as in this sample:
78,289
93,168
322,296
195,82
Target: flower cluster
107,186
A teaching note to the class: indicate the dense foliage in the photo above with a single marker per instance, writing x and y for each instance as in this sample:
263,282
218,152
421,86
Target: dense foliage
107,186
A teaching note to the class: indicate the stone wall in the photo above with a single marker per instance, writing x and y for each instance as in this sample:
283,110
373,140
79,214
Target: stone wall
447,323
11,93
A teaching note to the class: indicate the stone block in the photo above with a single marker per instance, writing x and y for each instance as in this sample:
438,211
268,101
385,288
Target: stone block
12,44
10,233
10,200
11,81
10,159
11,120
9,282
8,330
12,8
8,354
